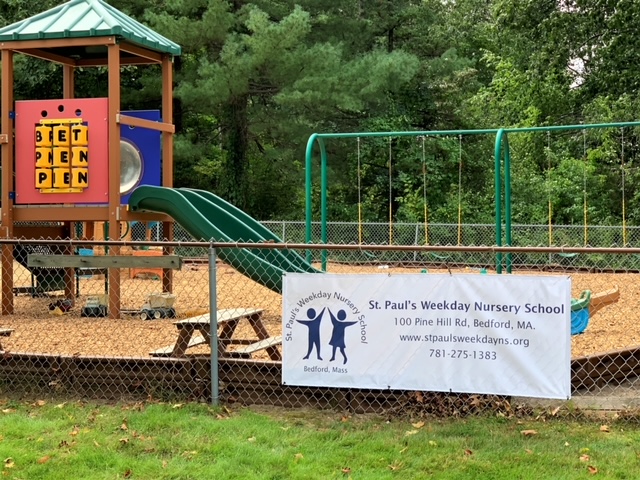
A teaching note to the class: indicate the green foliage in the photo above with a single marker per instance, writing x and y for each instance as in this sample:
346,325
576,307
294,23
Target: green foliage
257,78
267,81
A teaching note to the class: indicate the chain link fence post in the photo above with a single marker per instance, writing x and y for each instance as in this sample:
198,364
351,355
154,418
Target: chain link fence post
213,327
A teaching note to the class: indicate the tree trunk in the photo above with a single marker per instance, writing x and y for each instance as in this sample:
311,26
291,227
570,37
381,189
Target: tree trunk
235,142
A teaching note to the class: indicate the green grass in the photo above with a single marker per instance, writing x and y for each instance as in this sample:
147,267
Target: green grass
193,441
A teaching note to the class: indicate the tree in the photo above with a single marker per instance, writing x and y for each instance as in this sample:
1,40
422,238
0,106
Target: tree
264,81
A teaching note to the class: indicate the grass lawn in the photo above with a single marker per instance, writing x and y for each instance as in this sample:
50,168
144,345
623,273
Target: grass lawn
77,440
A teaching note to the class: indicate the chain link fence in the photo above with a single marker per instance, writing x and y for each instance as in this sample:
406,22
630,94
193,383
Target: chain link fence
58,337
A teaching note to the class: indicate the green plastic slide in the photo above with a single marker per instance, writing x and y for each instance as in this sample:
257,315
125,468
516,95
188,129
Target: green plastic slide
209,218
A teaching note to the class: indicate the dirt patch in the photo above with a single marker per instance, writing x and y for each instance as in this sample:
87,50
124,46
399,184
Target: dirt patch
35,330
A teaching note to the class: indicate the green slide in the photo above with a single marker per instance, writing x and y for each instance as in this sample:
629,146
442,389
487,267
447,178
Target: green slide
209,218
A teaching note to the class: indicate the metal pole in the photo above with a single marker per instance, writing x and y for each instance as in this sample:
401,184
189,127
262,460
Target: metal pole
507,198
323,201
498,194
308,215
213,327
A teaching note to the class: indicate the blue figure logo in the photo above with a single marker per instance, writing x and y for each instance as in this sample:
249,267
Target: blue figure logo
313,324
337,336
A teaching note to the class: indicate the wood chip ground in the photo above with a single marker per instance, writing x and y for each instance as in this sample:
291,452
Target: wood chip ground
612,328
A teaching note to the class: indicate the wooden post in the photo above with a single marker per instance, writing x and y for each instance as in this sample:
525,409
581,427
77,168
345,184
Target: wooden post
7,180
167,158
68,91
113,65
68,81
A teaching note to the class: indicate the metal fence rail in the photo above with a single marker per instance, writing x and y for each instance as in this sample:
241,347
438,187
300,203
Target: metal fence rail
66,345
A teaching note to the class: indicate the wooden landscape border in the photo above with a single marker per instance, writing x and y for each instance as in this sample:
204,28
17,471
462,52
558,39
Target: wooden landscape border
243,381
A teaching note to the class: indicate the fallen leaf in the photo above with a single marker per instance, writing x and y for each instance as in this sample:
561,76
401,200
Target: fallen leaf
124,440
61,405
346,470
433,443
177,405
127,473
124,426
417,425
410,432
9,410
592,470
468,452
44,459
529,451
584,457
9,463
604,428
251,439
528,433
63,443
74,432
298,456
566,444
164,464
555,411
40,403
345,418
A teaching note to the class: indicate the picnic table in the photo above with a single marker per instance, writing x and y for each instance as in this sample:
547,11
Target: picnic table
228,321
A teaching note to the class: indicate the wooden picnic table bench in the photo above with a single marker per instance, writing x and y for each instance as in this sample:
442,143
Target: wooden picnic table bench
228,320
5,332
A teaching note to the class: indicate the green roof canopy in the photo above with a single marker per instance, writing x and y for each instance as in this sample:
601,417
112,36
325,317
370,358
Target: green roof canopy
85,19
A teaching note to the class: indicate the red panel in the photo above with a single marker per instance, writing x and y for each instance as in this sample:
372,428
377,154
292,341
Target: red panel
93,112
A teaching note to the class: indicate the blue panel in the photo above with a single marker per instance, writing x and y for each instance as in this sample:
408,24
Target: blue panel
579,321
148,142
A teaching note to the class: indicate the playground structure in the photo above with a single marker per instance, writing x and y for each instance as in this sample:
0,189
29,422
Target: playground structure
83,160
70,149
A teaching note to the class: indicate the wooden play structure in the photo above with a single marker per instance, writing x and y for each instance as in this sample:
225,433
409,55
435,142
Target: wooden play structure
69,149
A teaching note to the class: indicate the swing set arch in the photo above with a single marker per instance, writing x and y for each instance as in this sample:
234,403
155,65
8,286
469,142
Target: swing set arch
502,174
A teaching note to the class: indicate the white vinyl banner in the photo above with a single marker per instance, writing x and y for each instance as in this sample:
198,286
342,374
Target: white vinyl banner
491,334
